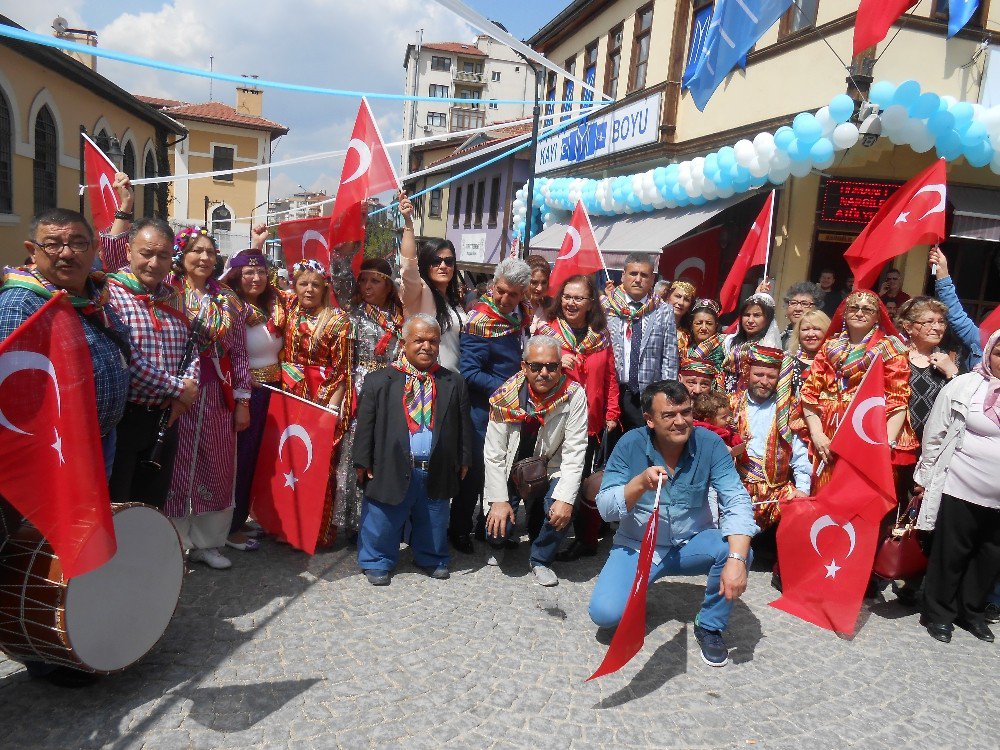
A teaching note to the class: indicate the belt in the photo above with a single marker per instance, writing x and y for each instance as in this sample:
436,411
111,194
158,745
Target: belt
422,465
266,374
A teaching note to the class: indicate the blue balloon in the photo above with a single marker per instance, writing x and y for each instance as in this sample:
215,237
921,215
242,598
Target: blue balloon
699,200
841,108
925,106
906,94
975,135
672,170
979,154
963,113
727,157
807,127
783,137
798,150
821,151
711,163
941,122
882,93
949,145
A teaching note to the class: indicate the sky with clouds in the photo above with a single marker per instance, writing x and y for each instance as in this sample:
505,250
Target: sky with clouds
348,44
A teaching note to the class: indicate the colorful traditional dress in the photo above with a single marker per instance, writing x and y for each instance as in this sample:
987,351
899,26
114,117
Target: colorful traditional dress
714,351
375,337
315,362
200,500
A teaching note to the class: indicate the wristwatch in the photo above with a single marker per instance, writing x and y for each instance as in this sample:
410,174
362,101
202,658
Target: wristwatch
124,215
738,556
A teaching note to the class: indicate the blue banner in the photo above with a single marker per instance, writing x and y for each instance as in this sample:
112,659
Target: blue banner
735,27
960,12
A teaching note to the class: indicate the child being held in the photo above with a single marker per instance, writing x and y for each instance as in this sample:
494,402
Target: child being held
712,411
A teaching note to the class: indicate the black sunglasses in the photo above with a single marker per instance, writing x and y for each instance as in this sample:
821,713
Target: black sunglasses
539,366
448,260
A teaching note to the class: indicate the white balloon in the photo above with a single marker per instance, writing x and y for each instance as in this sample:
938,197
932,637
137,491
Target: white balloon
745,152
825,121
894,118
845,135
781,161
763,144
801,168
914,130
726,191
777,176
759,170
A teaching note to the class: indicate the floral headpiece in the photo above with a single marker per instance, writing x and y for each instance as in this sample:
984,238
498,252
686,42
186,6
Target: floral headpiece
704,303
309,265
186,236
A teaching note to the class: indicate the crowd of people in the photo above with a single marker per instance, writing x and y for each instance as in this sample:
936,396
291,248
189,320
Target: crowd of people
593,407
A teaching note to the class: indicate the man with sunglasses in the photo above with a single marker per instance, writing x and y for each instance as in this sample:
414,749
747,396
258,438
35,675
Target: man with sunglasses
538,412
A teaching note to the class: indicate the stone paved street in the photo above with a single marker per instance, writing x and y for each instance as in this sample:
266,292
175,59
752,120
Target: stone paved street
287,651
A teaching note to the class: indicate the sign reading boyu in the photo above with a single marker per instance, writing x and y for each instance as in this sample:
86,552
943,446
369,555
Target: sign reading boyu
628,127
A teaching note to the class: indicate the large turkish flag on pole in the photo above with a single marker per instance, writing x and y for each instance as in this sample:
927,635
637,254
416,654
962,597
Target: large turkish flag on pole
695,260
293,469
874,19
305,239
579,254
914,215
367,172
51,462
753,253
100,173
826,547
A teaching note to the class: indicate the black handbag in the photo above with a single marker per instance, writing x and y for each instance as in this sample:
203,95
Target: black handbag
530,477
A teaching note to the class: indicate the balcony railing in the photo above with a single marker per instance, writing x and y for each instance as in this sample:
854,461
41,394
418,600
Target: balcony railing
466,118
462,76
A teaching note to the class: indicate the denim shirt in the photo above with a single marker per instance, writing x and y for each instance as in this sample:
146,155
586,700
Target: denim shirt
684,509
961,324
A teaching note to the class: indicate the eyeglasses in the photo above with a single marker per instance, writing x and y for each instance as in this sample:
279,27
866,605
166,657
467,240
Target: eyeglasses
937,323
448,260
55,248
577,300
539,366
250,273
800,303
863,309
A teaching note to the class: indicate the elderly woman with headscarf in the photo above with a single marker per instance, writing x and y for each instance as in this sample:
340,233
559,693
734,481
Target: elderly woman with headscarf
957,475
860,332
705,341
756,328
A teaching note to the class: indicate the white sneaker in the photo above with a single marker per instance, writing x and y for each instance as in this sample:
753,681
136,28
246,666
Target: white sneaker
211,557
544,576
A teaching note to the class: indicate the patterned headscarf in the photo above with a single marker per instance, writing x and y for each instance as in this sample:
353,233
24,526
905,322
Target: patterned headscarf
698,366
418,395
766,356
487,321
592,341
514,401
991,403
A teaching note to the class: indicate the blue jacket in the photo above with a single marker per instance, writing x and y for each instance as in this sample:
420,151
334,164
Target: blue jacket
960,322
684,509
486,364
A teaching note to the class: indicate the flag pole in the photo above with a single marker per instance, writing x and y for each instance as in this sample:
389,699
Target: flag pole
297,398
770,236
600,254
83,168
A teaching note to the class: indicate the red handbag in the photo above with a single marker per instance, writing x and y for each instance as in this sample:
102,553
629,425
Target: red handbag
901,556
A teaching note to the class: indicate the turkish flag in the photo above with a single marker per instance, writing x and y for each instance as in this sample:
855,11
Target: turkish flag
306,239
100,173
631,631
913,215
579,254
51,463
826,547
753,253
293,469
874,19
862,438
367,172
988,325
695,260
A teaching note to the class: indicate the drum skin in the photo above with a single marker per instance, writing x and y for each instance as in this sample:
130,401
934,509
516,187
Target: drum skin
102,621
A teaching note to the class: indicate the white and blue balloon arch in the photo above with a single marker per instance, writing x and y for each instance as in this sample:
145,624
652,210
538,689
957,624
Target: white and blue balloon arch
908,116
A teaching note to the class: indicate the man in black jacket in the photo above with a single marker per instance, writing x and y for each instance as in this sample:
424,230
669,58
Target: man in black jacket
412,446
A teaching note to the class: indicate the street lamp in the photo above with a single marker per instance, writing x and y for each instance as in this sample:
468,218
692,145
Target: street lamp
209,202
115,153
529,198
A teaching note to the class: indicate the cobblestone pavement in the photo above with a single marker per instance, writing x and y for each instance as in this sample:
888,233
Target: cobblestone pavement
287,651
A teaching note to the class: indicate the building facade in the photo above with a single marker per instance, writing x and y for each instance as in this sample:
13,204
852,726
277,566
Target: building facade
221,137
303,205
482,72
637,51
45,98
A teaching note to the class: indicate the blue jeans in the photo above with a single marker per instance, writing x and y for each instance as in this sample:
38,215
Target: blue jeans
548,541
382,527
108,444
705,553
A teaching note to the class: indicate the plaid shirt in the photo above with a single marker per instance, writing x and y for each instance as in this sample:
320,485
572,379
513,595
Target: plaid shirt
156,354
108,348
659,358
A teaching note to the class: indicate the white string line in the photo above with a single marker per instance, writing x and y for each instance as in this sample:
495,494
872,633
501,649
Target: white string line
326,155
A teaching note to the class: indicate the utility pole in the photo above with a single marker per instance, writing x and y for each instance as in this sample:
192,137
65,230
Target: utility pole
529,198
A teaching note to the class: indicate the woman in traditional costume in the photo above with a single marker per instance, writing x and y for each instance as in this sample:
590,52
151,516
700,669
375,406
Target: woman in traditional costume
756,327
681,297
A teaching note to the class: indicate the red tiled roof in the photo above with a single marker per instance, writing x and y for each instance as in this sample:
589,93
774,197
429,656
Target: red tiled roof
494,137
457,48
214,112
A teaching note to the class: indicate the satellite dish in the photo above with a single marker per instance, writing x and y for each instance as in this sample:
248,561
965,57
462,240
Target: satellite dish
60,25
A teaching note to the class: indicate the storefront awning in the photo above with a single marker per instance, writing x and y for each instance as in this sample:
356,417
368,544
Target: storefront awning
977,213
617,236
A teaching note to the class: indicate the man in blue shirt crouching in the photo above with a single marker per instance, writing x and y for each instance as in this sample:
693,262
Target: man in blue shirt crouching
688,543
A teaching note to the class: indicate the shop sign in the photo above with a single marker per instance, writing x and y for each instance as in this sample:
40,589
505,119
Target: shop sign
853,201
473,248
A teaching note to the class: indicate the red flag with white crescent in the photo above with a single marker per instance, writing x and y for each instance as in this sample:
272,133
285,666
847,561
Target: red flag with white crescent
100,172
305,239
579,254
753,253
826,548
293,469
695,260
913,215
367,172
631,632
51,463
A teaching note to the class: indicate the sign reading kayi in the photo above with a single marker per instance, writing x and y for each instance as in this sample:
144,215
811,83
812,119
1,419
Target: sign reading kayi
625,128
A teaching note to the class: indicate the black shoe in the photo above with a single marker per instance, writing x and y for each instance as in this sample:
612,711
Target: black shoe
992,613
511,544
463,543
440,573
377,577
68,677
713,649
939,631
575,551
906,594
776,581
978,629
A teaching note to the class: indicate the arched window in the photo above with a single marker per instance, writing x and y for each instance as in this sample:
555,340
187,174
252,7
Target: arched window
103,140
6,157
149,191
128,160
46,160
222,220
